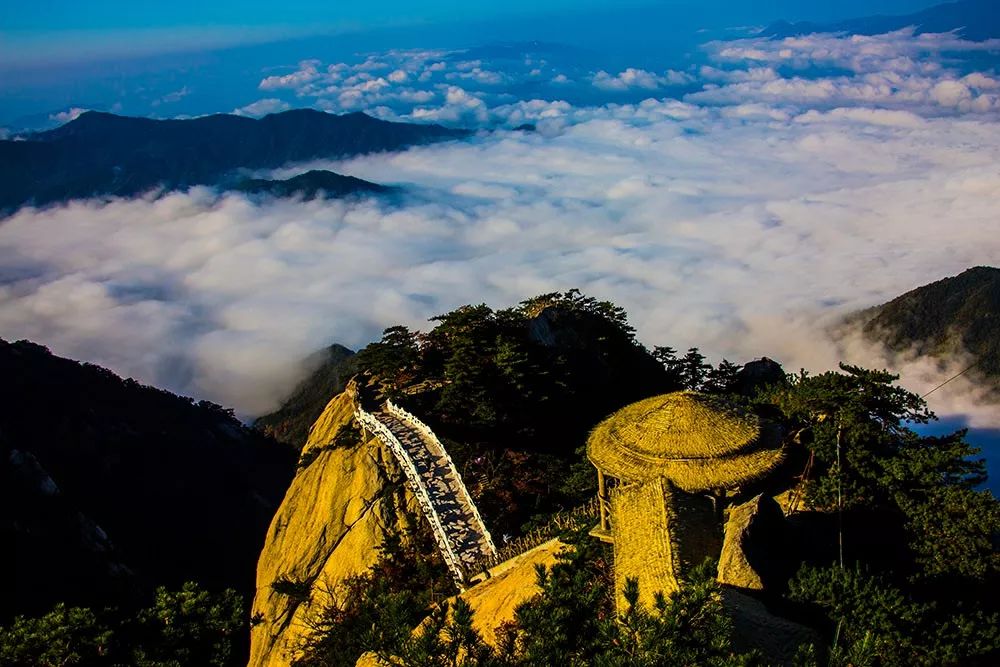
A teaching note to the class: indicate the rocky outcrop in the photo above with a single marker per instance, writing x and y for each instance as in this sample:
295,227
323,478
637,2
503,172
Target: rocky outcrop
751,552
493,599
758,374
511,583
756,628
344,501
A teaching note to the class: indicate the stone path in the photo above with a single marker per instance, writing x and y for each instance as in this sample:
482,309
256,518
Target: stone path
464,530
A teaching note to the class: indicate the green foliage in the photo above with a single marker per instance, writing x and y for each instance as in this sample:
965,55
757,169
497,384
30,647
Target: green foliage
520,388
932,607
691,628
869,459
951,318
579,484
290,423
952,525
480,366
862,415
694,369
875,623
64,636
183,489
447,638
571,622
667,356
565,624
296,589
574,300
190,626
721,379
366,613
377,611
394,360
693,372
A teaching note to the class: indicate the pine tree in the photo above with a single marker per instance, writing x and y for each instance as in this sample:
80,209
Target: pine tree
722,378
694,369
394,360
668,357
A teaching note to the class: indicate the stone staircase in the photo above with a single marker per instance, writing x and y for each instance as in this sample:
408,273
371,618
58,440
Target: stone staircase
458,528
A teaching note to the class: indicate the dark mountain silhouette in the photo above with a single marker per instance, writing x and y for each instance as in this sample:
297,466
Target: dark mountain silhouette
291,422
973,19
103,154
310,185
948,318
109,487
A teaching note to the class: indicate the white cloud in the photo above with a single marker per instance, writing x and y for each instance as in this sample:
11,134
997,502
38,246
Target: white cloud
864,115
631,78
262,107
738,232
171,98
69,114
459,105
900,51
898,70
482,76
306,73
808,178
922,94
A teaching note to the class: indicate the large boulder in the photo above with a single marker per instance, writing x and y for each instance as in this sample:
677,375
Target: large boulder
510,584
758,374
753,549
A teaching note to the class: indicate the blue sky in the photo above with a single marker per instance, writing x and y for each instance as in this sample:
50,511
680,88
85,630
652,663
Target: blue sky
41,31
47,15
208,57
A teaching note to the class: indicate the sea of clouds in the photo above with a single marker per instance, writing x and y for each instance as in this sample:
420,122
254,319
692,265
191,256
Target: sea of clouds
742,205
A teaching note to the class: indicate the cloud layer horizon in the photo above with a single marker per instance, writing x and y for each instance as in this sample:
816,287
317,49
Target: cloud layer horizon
785,184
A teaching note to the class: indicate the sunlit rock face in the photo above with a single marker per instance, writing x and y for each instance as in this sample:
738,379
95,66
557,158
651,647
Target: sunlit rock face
344,501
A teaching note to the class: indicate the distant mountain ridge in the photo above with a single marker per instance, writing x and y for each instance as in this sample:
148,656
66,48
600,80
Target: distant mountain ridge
103,154
948,318
975,20
310,185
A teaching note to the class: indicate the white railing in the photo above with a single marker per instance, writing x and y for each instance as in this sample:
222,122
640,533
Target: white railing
382,432
407,416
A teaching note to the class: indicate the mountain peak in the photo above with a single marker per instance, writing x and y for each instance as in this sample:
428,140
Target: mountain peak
950,318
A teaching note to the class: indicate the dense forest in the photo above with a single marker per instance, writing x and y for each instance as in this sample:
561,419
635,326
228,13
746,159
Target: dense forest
954,318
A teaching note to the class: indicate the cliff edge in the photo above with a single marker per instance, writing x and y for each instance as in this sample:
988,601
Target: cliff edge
347,496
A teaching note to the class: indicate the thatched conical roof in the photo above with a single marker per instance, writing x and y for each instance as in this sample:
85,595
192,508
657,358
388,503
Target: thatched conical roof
696,441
